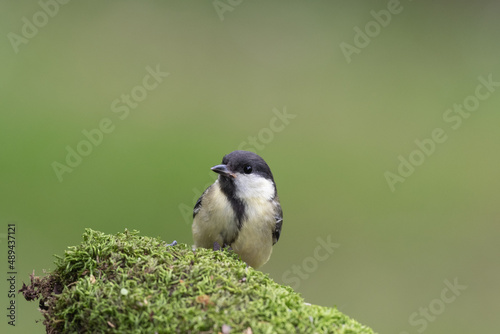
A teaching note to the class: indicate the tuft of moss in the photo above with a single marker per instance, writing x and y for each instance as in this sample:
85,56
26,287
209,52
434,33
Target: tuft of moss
127,283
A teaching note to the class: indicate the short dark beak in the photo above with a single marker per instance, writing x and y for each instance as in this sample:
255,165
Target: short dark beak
223,170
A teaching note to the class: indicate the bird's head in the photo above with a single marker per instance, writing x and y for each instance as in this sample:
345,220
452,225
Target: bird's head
246,175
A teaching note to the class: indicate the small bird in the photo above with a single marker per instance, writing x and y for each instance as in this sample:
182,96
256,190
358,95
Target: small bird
241,209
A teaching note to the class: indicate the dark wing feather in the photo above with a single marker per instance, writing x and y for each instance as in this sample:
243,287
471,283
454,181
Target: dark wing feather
197,206
279,221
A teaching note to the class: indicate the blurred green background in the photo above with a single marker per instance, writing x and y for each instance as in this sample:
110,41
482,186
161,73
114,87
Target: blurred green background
229,68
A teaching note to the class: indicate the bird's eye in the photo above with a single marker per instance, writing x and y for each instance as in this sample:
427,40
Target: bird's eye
247,169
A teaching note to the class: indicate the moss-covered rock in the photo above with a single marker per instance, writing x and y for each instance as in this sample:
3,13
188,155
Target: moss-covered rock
126,283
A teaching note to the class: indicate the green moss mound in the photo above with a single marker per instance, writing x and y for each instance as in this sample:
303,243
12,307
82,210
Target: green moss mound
127,283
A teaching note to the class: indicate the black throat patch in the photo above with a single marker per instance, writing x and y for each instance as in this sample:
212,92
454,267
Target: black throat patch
228,188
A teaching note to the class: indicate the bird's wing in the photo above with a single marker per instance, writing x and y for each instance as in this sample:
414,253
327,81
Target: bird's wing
197,206
279,221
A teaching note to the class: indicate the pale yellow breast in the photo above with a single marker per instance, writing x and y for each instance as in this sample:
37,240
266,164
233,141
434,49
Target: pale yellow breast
215,222
255,241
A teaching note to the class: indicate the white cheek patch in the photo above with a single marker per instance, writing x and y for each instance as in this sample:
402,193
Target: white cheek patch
253,186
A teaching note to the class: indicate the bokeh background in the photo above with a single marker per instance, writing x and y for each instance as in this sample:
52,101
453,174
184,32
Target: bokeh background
229,68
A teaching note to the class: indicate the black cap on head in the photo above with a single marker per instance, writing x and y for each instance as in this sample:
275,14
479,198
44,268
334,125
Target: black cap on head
246,162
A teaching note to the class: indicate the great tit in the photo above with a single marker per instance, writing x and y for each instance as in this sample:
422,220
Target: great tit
241,209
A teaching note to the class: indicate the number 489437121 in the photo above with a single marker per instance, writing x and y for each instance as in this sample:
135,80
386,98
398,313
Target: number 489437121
11,245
